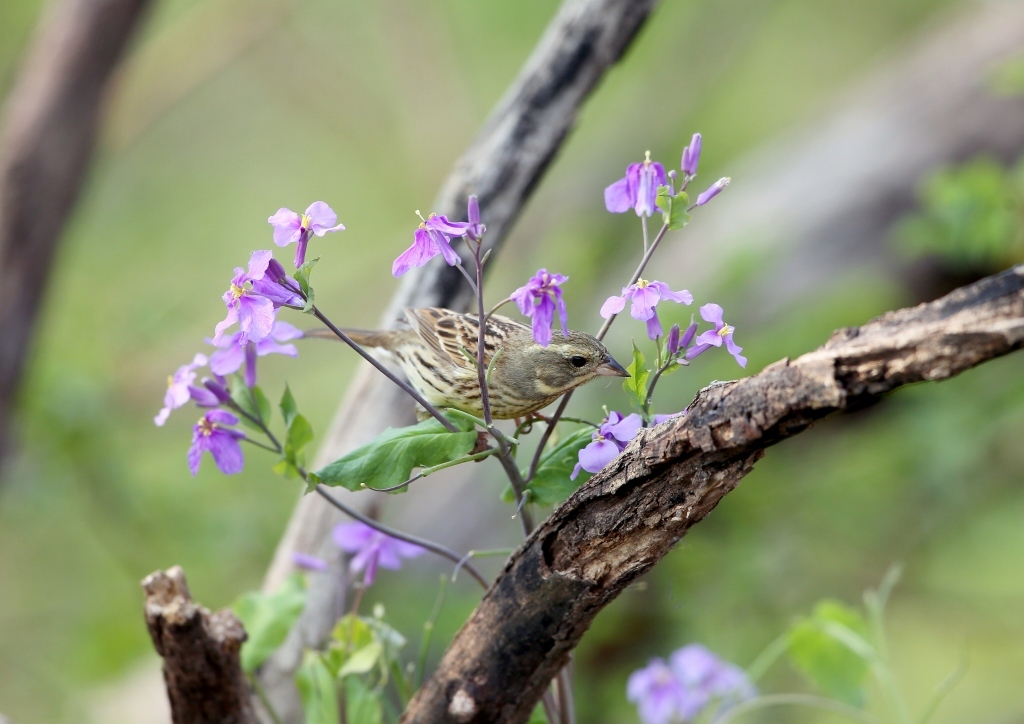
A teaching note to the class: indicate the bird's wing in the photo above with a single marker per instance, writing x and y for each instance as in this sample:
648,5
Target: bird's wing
452,335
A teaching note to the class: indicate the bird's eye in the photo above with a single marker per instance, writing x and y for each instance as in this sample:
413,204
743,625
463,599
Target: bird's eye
577,361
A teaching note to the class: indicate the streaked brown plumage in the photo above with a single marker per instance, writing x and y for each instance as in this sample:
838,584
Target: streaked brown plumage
437,352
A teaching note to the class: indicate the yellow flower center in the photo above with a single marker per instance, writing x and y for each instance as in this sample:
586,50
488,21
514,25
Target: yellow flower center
647,158
306,222
170,381
642,283
205,426
236,291
726,330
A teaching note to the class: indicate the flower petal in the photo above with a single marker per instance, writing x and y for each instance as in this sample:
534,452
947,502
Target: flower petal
617,198
624,429
423,249
350,537
612,306
321,216
227,361
682,296
287,226
735,350
255,317
227,453
598,454
258,263
712,313
644,301
711,337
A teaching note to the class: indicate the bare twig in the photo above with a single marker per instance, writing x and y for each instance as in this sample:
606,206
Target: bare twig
627,517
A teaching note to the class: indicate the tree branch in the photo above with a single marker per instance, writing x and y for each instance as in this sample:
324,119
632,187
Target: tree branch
626,518
200,650
47,139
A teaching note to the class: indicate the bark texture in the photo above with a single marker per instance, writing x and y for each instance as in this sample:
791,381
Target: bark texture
47,139
626,518
502,166
202,670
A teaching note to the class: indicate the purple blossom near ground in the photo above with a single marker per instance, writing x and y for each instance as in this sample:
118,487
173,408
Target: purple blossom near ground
538,299
233,353
656,692
253,311
293,228
638,189
212,434
715,337
713,190
691,156
658,419
178,388
610,439
371,549
433,237
645,296
692,681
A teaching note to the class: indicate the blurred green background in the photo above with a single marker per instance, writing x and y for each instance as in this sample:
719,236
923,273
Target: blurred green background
228,109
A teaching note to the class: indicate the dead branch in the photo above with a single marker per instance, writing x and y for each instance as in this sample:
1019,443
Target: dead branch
46,141
625,519
200,650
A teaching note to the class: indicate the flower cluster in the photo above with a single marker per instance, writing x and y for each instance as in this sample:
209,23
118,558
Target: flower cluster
434,236
692,681
370,549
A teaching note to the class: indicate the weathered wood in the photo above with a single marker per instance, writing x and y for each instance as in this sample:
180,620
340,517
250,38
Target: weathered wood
47,139
626,518
202,670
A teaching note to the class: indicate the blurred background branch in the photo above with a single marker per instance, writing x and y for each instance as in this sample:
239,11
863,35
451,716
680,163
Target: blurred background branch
47,135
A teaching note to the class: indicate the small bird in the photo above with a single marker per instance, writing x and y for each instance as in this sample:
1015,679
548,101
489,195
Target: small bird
437,352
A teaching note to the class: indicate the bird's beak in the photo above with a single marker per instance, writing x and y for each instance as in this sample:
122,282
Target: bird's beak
611,368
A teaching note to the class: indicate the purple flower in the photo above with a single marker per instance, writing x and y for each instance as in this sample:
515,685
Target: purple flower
638,189
178,388
308,562
293,228
253,311
714,337
713,190
210,434
645,296
233,351
476,230
538,299
433,237
371,549
656,692
691,155
610,439
680,690
706,679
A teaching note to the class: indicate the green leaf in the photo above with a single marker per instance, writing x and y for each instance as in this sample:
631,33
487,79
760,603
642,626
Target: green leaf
316,690
636,384
363,660
537,716
302,277
679,217
673,208
268,617
288,407
551,485
253,401
834,666
362,705
390,459
299,434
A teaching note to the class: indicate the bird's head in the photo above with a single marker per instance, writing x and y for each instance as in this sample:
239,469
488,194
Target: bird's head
570,361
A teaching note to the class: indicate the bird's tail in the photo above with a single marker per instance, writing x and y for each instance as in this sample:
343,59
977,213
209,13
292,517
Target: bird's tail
362,337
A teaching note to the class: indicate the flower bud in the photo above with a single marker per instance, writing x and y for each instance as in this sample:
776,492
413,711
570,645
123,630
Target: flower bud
672,343
217,389
713,190
691,156
688,336
276,272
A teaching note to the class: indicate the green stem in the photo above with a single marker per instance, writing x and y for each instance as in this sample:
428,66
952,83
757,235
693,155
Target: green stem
428,633
262,696
427,471
769,656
